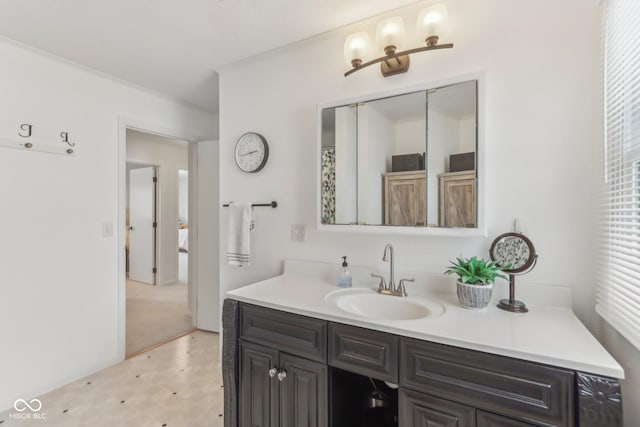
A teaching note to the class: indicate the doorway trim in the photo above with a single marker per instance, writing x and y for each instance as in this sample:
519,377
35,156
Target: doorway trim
125,123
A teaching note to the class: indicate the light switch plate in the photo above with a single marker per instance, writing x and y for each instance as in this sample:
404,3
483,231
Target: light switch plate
107,229
298,232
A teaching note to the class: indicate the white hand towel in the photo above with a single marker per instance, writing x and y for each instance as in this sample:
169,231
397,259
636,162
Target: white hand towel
240,225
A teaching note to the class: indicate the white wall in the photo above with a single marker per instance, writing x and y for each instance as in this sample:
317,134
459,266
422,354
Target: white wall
467,134
183,197
208,217
406,138
58,274
540,171
375,148
443,140
170,156
346,185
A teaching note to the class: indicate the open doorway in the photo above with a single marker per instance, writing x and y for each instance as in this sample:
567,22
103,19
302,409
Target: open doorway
183,225
158,290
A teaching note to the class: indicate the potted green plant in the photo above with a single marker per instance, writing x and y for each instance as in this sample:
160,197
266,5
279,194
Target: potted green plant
475,280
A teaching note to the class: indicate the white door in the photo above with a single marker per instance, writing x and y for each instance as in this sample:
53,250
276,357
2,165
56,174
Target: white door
142,233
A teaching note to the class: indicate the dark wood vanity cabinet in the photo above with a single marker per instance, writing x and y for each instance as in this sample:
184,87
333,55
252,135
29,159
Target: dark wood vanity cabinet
267,399
487,419
259,402
363,351
439,385
279,386
423,410
514,388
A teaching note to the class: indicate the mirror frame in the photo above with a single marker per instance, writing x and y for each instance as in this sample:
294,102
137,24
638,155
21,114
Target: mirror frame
480,230
533,255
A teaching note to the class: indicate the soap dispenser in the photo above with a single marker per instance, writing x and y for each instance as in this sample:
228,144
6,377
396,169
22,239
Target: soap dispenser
344,277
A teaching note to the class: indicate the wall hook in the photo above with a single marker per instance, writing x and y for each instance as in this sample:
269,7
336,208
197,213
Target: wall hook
26,128
65,138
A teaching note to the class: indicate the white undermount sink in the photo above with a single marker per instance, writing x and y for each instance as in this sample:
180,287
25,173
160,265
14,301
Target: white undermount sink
368,303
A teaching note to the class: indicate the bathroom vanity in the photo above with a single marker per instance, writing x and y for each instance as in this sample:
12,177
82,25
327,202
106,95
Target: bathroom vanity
298,352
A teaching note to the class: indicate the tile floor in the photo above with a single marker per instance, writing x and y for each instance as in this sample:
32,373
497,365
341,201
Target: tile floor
177,384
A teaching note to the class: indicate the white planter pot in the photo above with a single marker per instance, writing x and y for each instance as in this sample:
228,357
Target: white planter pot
474,296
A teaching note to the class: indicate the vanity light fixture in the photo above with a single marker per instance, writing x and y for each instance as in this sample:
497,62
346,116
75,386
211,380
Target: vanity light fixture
390,36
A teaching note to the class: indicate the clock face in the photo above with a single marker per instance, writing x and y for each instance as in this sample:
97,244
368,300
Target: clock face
252,152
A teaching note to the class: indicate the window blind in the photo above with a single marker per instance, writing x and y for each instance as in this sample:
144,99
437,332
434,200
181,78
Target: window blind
618,292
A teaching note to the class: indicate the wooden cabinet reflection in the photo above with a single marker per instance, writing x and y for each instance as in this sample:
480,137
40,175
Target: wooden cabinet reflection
457,199
404,198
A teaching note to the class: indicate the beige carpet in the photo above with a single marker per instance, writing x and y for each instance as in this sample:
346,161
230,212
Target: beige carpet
155,314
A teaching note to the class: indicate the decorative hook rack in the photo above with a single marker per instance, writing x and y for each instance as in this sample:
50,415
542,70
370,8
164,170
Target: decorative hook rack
273,204
27,143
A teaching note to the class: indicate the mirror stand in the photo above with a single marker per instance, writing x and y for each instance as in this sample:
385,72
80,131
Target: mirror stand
512,304
516,252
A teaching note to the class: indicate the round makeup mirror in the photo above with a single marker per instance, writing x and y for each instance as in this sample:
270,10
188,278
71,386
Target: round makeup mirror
515,252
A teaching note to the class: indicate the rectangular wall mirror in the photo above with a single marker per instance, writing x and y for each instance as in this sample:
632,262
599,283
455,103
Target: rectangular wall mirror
407,160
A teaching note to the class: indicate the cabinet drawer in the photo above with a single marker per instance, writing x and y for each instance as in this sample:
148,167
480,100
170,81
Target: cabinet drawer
422,410
487,419
291,333
363,351
524,390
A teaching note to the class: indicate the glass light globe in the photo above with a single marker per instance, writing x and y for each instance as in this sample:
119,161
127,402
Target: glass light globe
431,23
390,35
357,48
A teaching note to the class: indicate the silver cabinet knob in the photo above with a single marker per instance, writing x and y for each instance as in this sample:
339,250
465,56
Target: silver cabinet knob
273,372
282,375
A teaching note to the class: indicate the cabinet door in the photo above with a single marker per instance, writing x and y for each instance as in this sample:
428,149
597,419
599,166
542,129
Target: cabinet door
457,202
258,390
303,393
423,410
405,201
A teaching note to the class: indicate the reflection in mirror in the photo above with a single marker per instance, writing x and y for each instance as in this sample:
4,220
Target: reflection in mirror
339,174
406,160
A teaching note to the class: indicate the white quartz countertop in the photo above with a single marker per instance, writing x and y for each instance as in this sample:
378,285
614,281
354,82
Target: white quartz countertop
549,335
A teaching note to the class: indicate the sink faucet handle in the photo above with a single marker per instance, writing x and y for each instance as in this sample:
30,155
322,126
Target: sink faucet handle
401,286
381,285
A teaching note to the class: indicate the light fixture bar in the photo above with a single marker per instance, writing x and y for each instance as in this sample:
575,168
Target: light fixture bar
398,54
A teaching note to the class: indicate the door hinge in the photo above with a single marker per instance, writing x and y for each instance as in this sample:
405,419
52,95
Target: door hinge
155,225
155,179
155,270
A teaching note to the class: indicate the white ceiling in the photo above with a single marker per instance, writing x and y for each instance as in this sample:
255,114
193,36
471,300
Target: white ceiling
174,47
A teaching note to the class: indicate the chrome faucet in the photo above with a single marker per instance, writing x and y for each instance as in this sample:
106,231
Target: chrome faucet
390,288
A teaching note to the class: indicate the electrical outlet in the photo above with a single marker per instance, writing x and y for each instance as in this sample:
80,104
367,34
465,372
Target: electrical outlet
298,232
